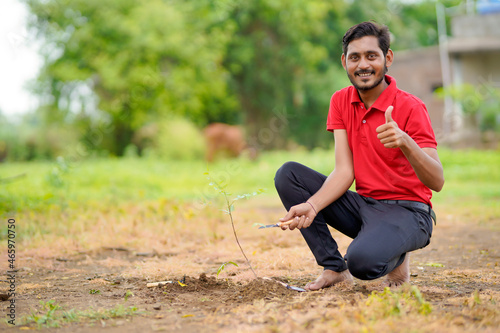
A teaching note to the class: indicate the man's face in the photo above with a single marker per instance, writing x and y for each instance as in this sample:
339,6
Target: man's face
365,63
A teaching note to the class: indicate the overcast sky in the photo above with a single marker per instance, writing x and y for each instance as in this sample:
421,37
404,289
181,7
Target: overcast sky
19,61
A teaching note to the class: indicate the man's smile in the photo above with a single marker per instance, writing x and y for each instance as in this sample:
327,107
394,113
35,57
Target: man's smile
364,74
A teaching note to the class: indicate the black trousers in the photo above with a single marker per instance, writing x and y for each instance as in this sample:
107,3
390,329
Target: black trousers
382,233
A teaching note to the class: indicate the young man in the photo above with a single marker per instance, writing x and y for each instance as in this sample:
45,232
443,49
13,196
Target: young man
384,141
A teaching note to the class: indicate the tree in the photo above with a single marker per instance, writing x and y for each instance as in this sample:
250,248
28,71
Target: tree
479,103
278,56
272,65
412,23
142,59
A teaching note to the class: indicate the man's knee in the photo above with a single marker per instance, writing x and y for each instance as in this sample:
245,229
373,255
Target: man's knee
284,175
365,264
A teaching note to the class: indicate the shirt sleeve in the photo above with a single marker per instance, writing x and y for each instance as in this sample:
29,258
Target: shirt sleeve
334,120
419,127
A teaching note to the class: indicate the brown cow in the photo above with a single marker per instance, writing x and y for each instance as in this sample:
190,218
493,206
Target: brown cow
225,138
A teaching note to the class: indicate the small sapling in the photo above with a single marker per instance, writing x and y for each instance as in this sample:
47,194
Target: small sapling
229,203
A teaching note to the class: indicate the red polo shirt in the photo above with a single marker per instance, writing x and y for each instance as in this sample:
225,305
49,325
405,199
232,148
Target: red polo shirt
383,173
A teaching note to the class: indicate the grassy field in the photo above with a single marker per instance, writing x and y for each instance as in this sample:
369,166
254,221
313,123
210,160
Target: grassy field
88,221
63,199
46,188
470,176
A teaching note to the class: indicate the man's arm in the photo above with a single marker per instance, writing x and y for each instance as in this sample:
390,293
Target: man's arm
335,185
425,161
342,176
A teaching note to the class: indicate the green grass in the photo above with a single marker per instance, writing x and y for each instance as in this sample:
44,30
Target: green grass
472,185
472,179
52,314
471,173
396,303
112,181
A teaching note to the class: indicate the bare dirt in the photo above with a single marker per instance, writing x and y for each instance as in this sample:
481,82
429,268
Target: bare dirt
458,275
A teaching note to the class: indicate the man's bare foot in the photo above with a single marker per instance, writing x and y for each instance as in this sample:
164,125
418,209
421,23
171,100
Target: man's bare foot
399,275
329,278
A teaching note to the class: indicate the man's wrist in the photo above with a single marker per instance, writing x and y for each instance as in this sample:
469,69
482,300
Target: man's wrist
313,207
408,144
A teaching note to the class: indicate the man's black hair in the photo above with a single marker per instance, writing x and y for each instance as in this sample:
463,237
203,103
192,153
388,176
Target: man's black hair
368,29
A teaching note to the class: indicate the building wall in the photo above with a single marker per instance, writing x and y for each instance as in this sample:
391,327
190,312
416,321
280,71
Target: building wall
476,26
476,68
474,53
474,48
419,73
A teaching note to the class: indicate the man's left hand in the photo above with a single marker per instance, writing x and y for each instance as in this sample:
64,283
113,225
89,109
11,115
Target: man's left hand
302,215
389,134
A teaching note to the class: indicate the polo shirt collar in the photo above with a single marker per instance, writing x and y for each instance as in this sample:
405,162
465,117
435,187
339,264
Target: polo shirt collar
385,99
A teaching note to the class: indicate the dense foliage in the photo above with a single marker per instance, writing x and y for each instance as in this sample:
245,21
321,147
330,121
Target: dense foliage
113,68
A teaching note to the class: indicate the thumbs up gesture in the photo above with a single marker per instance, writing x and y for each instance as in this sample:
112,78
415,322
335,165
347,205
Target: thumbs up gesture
389,134
388,114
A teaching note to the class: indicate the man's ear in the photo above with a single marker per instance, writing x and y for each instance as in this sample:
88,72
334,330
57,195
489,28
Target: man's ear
343,61
389,57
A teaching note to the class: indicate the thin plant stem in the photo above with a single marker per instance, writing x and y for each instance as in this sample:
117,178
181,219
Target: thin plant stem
221,190
235,235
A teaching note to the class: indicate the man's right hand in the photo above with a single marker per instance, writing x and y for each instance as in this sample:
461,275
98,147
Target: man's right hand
302,215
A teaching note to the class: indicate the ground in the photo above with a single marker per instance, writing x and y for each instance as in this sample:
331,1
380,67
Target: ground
454,283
